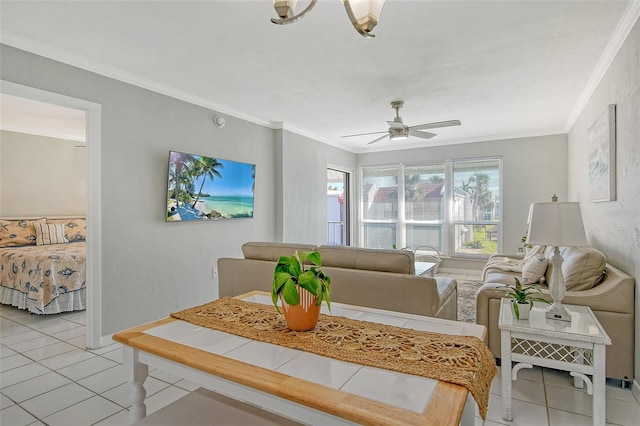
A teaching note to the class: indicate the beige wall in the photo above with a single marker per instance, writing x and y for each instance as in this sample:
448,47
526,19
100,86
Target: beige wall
614,226
41,176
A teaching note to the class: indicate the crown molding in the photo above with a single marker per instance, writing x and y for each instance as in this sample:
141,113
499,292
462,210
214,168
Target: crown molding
620,34
60,55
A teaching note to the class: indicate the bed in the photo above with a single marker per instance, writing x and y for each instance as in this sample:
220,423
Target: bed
43,279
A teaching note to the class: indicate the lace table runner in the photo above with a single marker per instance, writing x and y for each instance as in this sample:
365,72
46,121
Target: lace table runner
462,360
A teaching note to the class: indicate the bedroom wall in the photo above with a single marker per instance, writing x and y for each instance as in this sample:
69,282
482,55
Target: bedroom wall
41,176
533,169
614,226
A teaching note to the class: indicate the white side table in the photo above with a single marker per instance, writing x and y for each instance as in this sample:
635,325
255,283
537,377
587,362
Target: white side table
577,347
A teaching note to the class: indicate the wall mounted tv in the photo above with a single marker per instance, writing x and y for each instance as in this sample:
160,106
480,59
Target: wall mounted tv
206,188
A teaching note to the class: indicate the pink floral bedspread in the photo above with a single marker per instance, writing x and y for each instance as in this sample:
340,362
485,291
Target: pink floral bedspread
44,272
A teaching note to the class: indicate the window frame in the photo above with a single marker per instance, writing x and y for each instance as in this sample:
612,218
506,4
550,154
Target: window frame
447,223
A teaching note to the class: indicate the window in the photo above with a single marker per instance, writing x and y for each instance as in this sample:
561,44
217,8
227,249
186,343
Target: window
476,195
453,206
424,201
380,206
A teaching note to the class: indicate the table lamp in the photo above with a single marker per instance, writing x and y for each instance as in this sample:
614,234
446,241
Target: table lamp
558,225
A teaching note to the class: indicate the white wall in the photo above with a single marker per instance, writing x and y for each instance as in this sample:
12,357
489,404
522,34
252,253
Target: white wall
614,226
41,176
533,170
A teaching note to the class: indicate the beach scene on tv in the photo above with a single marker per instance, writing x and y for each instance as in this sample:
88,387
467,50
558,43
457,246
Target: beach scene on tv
205,188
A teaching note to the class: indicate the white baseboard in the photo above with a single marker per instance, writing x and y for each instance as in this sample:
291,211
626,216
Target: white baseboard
635,390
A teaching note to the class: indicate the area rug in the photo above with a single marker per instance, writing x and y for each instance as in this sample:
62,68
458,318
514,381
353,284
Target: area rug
467,299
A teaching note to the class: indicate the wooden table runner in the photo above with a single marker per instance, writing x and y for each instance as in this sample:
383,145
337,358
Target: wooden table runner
462,360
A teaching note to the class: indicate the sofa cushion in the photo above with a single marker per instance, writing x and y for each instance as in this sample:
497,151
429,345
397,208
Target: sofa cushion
273,251
14,233
398,261
534,269
582,268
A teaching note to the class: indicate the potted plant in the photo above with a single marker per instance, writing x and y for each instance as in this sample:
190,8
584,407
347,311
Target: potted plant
301,289
523,298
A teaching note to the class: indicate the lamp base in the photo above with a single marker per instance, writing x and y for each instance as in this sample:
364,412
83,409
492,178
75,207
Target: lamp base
558,313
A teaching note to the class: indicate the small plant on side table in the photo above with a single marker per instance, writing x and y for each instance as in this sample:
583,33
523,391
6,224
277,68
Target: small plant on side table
523,295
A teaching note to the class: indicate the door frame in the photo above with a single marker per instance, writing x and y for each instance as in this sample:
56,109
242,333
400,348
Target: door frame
93,121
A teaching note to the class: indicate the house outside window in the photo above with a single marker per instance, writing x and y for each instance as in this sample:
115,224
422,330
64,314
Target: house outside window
453,206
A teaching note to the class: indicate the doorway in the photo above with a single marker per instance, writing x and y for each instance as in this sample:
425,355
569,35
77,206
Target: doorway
93,188
338,207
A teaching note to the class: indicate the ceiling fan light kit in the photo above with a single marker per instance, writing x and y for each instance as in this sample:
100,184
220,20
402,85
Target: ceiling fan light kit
398,131
363,14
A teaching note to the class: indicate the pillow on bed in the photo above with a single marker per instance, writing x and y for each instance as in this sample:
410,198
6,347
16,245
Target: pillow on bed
74,229
14,233
48,234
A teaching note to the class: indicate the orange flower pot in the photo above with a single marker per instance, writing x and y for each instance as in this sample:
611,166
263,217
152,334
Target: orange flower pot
303,316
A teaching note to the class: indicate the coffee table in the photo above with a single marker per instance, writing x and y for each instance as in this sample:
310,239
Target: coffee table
298,385
425,268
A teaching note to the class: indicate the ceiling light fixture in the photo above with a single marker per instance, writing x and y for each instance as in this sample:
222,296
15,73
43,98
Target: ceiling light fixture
363,14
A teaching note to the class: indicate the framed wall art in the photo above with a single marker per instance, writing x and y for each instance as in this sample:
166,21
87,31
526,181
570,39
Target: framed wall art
602,157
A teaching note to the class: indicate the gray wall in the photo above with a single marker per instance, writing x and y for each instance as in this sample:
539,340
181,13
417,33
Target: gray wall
151,268
304,186
533,169
41,176
614,226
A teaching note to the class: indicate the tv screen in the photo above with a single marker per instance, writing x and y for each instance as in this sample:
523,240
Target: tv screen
206,188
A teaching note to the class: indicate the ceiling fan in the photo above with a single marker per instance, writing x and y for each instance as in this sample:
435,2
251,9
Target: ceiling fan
397,129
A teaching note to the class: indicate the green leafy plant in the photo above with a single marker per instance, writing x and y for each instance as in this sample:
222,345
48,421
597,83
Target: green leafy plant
292,271
523,295
474,244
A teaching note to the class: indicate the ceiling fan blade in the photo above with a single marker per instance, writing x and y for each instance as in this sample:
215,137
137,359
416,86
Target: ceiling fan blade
419,134
377,140
436,125
395,125
363,134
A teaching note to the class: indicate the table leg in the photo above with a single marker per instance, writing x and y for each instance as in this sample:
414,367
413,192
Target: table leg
136,373
469,412
599,385
505,351
577,380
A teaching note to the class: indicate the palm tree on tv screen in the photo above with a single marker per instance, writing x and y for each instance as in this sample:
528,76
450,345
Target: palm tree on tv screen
207,168
179,160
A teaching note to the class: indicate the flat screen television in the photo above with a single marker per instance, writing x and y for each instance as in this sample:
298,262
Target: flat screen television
207,188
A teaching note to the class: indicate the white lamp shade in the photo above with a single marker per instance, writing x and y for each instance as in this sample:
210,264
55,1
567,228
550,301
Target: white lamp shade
556,224
366,9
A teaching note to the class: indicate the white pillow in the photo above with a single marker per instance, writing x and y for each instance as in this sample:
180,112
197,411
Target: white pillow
534,269
48,234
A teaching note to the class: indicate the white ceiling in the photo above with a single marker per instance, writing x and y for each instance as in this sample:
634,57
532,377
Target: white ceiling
504,68
38,118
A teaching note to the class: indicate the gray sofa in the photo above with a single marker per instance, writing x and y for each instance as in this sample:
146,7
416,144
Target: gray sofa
383,279
591,281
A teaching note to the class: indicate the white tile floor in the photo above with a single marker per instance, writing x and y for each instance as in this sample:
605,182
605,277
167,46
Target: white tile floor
47,377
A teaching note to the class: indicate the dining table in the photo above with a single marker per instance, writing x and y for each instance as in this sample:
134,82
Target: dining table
316,385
